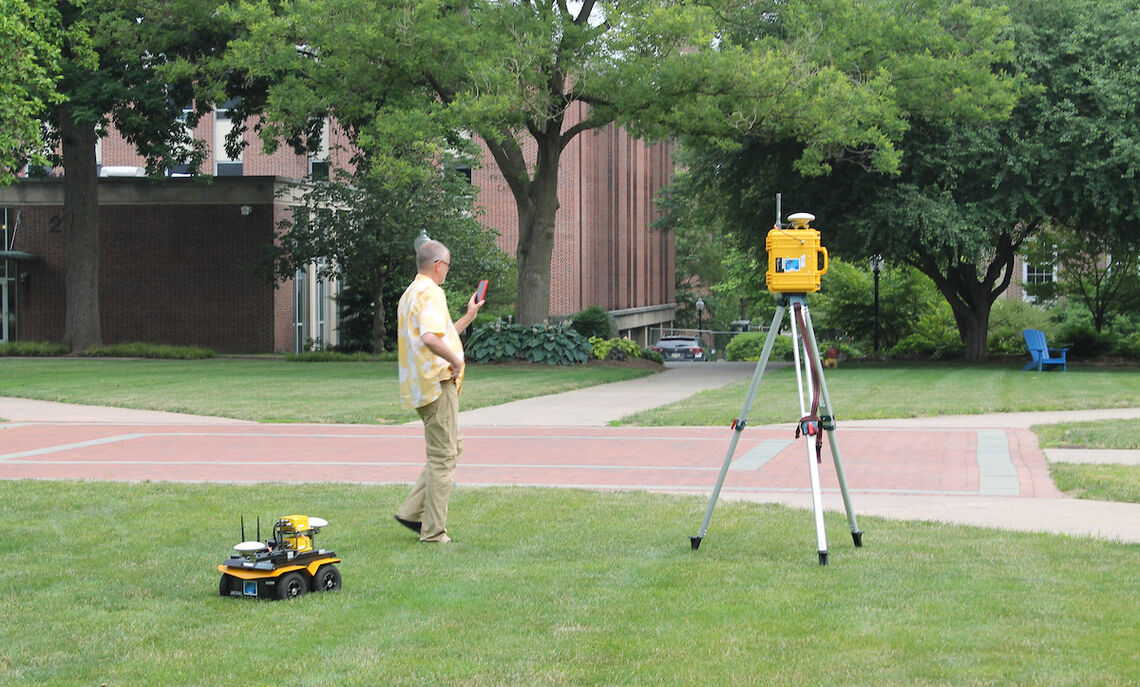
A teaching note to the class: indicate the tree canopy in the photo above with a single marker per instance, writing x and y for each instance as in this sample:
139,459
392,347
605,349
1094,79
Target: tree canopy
969,192
823,73
31,32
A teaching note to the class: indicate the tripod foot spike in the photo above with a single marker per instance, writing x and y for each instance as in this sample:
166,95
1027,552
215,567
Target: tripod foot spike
858,537
823,558
695,542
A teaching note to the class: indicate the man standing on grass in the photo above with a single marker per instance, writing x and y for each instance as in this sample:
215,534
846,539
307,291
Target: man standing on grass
431,376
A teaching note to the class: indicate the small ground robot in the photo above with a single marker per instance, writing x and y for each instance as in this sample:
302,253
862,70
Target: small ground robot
284,567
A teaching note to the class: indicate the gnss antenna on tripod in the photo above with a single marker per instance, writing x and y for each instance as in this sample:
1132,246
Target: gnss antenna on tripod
796,263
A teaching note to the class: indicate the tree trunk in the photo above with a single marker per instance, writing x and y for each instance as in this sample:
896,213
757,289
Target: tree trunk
82,329
534,259
537,204
972,296
974,327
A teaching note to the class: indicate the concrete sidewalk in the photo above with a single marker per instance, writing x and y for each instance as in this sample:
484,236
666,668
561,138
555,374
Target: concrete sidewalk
30,410
597,406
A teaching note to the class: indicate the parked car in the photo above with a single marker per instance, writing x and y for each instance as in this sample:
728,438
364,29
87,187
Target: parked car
680,348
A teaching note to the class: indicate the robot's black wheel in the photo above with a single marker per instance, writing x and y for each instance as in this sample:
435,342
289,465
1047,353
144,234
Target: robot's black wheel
225,584
291,585
327,578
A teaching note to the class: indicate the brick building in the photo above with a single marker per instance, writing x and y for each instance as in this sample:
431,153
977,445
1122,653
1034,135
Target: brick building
178,256
178,263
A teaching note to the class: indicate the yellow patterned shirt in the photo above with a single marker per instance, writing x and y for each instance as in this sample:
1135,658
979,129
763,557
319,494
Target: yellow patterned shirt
423,309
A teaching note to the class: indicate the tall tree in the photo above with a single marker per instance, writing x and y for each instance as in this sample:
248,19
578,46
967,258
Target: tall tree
515,73
361,229
135,63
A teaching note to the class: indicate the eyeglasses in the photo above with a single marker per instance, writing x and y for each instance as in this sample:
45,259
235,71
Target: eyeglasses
448,264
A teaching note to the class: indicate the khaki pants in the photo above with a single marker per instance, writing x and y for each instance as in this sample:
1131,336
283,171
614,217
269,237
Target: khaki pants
427,504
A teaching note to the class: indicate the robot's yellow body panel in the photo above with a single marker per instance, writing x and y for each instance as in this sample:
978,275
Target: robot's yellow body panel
308,566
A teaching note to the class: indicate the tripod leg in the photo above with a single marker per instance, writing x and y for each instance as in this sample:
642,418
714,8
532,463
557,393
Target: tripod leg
738,425
856,533
798,339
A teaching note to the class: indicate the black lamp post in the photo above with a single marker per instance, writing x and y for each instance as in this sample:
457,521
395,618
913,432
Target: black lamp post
876,267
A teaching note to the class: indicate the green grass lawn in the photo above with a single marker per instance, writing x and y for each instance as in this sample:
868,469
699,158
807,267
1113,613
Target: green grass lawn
1098,482
109,583
865,391
1094,481
1104,434
274,390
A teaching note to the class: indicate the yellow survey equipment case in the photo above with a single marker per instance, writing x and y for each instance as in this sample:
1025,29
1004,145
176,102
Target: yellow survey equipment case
796,260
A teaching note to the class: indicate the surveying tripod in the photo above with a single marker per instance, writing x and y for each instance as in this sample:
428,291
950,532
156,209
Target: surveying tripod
815,419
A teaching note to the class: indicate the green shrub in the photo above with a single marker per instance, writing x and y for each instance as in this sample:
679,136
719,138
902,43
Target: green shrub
921,346
650,354
1130,346
749,345
603,347
32,348
935,335
550,344
145,350
593,322
845,308
1083,341
1008,319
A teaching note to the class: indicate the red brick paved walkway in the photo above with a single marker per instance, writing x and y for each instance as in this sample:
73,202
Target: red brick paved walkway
944,462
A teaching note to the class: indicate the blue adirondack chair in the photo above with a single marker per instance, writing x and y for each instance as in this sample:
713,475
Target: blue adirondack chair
1041,353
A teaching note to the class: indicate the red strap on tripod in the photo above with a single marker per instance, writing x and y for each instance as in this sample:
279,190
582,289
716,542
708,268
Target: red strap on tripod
810,424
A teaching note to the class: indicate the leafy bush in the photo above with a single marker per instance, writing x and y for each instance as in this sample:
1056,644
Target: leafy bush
145,350
845,308
540,343
749,346
1130,346
32,348
1083,341
920,346
935,335
603,347
593,322
1008,319
650,354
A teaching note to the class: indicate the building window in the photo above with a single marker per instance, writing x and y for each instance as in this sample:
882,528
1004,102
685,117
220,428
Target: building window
1032,275
319,170
319,158
183,169
1039,274
225,165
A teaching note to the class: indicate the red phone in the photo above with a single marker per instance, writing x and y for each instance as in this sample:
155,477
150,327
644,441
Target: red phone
481,291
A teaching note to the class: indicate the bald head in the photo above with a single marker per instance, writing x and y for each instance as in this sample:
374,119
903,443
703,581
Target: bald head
428,253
